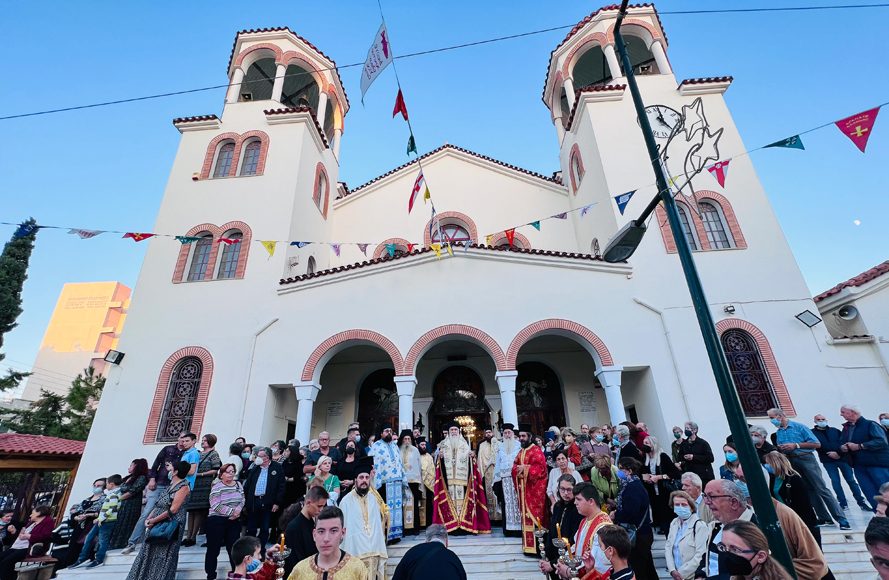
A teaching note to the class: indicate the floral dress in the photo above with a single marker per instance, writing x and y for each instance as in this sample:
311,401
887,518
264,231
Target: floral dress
130,509
200,494
159,561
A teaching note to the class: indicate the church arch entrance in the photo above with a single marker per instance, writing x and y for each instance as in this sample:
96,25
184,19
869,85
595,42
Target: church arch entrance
458,394
539,397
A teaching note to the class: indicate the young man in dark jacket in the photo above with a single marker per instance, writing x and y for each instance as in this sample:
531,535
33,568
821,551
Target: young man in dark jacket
836,463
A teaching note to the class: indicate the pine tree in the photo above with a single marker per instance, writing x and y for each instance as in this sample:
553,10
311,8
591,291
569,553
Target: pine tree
43,418
13,273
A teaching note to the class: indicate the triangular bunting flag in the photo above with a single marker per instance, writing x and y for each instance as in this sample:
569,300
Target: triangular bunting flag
510,235
561,216
411,145
466,245
720,171
489,240
137,237
436,247
187,239
623,199
450,249
24,230
228,241
416,189
859,127
390,249
536,225
86,234
335,248
585,210
300,244
378,58
363,248
410,248
790,143
426,195
400,107
269,246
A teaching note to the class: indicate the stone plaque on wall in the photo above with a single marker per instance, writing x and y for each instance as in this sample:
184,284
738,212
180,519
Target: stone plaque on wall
587,402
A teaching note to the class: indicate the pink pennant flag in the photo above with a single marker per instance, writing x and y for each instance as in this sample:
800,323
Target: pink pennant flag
720,171
859,127
561,216
335,248
363,248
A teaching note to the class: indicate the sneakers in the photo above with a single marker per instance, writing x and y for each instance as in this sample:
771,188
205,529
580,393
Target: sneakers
865,507
129,549
824,523
94,564
76,565
844,524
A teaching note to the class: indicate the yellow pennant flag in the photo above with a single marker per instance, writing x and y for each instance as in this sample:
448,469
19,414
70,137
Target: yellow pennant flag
450,249
269,246
426,195
437,249
489,239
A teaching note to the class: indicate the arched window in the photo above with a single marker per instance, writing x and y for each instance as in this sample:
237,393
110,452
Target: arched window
748,373
450,233
310,269
591,69
717,233
228,265
200,257
575,166
640,56
686,228
251,157
224,159
330,118
300,88
258,81
182,394
563,106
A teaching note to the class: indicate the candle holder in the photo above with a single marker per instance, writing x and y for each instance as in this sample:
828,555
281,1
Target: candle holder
572,561
540,534
279,558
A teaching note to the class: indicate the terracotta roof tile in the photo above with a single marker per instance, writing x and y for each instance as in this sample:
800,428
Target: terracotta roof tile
196,119
590,89
553,179
426,250
706,80
303,109
859,280
39,445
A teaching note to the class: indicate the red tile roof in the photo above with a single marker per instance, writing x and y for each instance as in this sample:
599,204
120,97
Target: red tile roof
196,119
706,80
426,250
552,179
303,109
590,89
283,29
859,280
39,445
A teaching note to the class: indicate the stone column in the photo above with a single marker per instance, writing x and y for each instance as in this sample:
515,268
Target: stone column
306,393
405,385
611,59
278,87
660,57
568,85
321,113
337,137
506,382
609,377
560,129
234,89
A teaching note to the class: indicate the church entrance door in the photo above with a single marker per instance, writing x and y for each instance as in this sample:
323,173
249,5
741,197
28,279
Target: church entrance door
539,397
377,403
458,394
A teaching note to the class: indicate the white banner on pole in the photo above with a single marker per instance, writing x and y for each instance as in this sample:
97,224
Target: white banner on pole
379,56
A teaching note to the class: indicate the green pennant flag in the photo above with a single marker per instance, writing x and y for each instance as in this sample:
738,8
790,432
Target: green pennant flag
411,145
790,143
187,239
536,225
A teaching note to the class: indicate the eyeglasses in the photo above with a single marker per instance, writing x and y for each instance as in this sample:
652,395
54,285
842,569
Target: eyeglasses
711,497
733,549
566,489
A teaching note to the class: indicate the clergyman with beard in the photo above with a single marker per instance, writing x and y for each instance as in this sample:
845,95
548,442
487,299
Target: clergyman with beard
388,480
366,518
460,501
410,461
504,485
487,455
427,471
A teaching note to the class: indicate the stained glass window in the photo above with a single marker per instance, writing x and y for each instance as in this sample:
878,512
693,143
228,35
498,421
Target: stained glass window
748,373
182,394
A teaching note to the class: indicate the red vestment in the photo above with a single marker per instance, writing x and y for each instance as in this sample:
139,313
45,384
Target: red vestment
474,514
531,491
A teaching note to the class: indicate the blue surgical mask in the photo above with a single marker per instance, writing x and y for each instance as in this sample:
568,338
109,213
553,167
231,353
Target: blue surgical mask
357,438
769,468
884,422
600,438
253,566
615,440
742,485
621,474
775,422
683,512
97,490
245,455
731,457
821,424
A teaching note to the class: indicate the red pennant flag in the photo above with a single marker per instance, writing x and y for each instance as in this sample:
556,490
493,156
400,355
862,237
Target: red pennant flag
720,171
137,237
859,127
228,241
400,107
510,235
415,191
410,248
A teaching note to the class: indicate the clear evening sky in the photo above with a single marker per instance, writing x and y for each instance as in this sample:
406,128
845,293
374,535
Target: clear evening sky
106,168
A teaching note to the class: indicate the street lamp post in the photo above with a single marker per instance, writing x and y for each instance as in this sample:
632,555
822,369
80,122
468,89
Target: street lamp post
623,245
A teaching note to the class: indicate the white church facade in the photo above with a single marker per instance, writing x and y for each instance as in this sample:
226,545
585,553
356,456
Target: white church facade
226,339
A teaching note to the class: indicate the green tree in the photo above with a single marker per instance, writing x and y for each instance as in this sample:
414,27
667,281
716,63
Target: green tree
13,273
43,418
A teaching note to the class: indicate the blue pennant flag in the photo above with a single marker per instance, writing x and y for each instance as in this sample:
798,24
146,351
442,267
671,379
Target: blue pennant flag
790,143
25,229
623,199
300,244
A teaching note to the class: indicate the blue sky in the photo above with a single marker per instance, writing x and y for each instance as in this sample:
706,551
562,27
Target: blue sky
106,168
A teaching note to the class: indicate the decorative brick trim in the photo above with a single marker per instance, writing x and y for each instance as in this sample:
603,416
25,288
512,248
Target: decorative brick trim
213,147
217,232
768,359
578,331
185,250
593,40
163,386
575,154
728,213
380,251
239,60
454,216
341,340
740,243
519,241
294,57
319,171
263,151
630,22
428,340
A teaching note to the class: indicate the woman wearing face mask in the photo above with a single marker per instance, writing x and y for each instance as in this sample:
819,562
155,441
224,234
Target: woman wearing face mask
788,487
677,441
661,477
83,515
727,470
687,540
247,458
632,514
744,553
295,482
345,469
604,478
600,442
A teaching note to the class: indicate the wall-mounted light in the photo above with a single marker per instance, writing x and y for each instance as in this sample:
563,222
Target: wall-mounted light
730,309
808,318
114,357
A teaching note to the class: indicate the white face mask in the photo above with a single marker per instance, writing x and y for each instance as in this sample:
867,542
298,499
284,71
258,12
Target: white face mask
258,461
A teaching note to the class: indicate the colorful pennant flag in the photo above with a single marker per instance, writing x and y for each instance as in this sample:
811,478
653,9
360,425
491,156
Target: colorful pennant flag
410,248
536,225
269,246
623,199
335,248
561,216
790,143
379,56
420,182
24,230
450,249
228,241
184,240
390,249
510,235
400,107
720,171
489,240
859,127
300,244
86,234
436,247
411,145
363,248
585,209
137,237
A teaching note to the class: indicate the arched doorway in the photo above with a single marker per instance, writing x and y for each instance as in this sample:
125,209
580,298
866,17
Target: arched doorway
539,397
377,402
458,394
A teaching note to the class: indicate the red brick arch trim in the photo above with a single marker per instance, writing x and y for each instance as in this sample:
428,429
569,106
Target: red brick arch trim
239,140
380,250
452,217
434,336
560,327
728,213
163,386
627,28
239,60
319,171
519,241
768,359
213,148
338,342
575,154
217,232
299,59
731,221
593,40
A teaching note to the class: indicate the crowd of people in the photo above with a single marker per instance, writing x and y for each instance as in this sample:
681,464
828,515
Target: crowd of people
603,492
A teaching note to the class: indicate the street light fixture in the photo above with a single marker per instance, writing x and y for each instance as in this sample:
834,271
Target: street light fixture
622,247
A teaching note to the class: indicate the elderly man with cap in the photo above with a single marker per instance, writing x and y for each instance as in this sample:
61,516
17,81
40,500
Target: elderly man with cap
530,475
366,518
388,479
460,502
503,485
487,455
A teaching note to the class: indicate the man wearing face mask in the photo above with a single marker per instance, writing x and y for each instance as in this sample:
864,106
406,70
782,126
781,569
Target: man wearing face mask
835,463
354,435
616,546
695,454
674,446
759,437
263,494
625,446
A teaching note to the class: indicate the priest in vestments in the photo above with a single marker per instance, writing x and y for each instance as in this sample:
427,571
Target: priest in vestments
487,454
459,502
530,476
366,519
509,503
427,471
410,461
388,479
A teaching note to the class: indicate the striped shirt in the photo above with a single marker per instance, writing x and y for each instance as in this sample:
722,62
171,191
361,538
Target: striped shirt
225,500
108,512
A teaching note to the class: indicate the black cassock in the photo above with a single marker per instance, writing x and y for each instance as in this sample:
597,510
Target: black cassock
430,560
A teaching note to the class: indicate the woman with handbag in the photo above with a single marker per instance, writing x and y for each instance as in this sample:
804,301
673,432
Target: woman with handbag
661,478
159,558
632,514
223,525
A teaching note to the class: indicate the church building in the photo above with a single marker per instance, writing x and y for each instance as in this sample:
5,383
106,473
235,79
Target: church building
498,325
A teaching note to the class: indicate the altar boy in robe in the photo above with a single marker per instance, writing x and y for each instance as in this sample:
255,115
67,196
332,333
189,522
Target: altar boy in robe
366,519
530,476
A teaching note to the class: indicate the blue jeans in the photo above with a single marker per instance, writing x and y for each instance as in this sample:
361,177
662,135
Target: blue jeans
151,498
870,478
834,469
104,532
